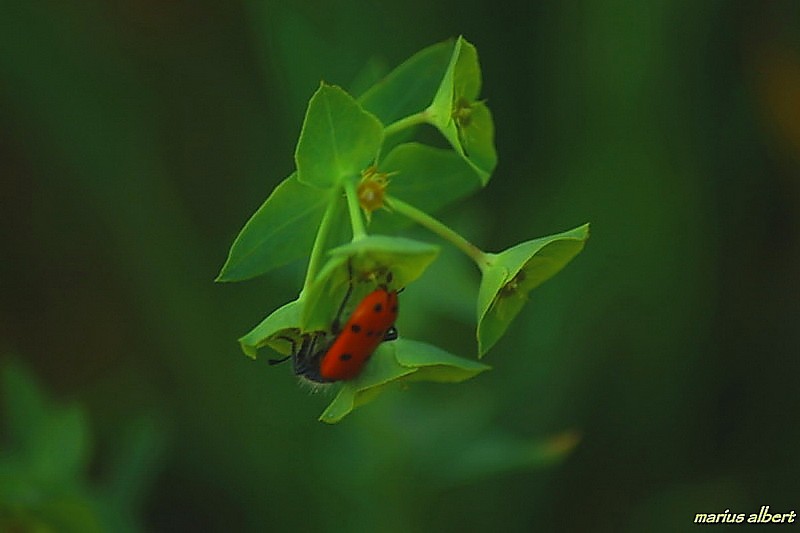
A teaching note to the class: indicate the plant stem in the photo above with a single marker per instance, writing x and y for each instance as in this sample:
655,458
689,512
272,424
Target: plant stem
317,251
355,210
480,257
406,122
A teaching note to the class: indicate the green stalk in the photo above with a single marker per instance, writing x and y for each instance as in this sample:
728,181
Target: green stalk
406,122
318,250
355,210
481,258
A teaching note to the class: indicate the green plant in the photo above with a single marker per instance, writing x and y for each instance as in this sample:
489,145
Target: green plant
44,464
355,162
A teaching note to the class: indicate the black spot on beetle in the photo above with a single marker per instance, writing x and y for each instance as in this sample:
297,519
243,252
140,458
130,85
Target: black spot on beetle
355,328
378,307
345,357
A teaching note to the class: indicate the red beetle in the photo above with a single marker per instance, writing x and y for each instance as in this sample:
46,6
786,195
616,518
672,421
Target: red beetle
323,359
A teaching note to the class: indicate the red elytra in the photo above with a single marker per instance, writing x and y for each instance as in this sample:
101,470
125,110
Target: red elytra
371,323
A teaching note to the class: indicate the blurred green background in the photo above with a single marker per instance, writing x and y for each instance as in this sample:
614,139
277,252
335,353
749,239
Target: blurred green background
136,138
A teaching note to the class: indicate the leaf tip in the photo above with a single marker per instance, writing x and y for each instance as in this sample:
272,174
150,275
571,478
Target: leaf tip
248,349
483,349
226,277
222,276
328,419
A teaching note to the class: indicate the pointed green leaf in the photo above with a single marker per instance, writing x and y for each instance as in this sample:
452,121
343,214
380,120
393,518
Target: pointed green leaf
381,370
407,259
517,271
283,321
467,73
324,297
440,111
410,87
464,122
338,140
340,407
477,138
281,230
371,259
428,177
394,362
435,364
373,71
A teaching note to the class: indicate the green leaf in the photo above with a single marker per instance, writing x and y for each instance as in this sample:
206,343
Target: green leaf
467,73
25,405
381,371
435,364
283,321
512,274
324,297
371,73
342,404
464,122
53,441
138,445
371,259
281,230
497,452
394,362
406,258
61,450
477,138
338,139
440,111
410,87
428,177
